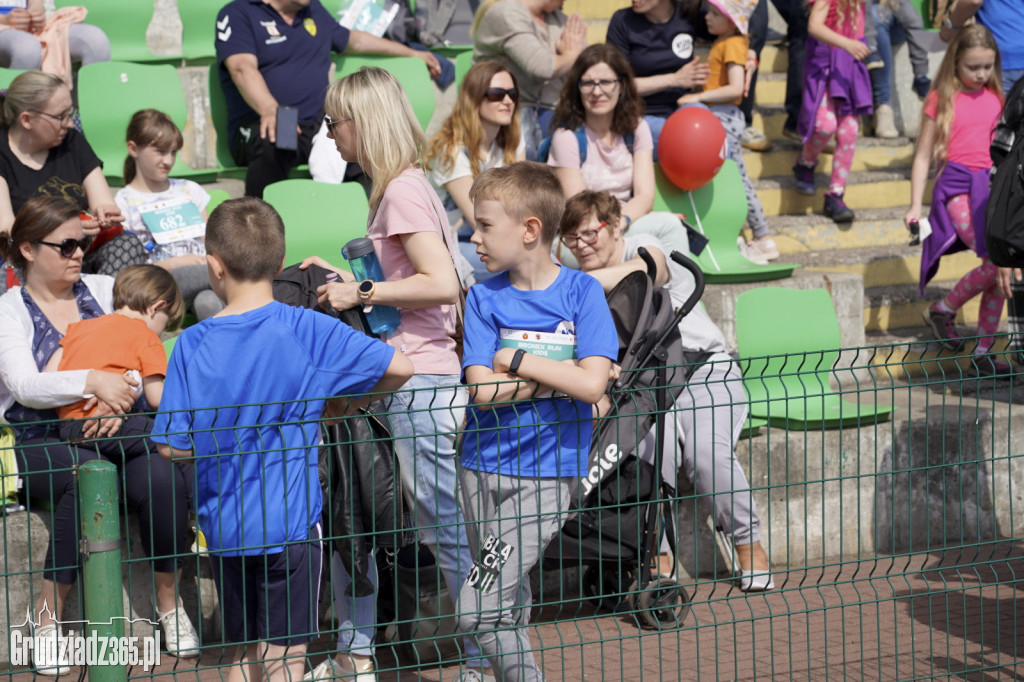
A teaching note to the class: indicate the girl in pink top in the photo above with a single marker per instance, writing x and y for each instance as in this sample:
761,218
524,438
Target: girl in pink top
836,91
372,123
959,117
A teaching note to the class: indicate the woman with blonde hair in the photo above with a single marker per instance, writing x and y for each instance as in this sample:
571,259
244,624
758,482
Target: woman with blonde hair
482,132
372,123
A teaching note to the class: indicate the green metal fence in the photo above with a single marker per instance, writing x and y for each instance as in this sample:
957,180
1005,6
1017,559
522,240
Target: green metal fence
895,538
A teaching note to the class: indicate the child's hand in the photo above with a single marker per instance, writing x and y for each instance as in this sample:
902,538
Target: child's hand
691,98
910,216
38,19
338,295
857,50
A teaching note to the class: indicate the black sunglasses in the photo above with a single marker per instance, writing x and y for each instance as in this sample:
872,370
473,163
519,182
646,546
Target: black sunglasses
498,94
69,246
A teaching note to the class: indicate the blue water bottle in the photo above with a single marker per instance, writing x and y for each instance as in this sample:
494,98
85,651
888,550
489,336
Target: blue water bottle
362,259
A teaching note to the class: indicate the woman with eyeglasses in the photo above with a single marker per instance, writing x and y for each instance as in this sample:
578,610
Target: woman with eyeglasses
41,154
46,245
540,44
482,132
711,409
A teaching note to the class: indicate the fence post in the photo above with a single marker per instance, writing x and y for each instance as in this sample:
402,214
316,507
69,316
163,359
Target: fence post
100,546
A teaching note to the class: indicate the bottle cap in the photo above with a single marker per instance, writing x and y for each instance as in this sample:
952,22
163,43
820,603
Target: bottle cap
357,248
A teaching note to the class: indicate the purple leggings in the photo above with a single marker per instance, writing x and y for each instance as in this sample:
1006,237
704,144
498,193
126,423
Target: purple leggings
980,280
826,124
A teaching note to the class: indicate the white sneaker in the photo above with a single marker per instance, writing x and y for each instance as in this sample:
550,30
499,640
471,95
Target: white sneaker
765,247
473,675
50,651
330,669
754,140
750,580
180,638
749,253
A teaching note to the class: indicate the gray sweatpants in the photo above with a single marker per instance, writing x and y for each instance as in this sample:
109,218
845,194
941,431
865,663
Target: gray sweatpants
708,416
732,120
509,522
194,282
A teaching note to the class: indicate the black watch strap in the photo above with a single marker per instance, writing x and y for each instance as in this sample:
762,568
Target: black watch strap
517,359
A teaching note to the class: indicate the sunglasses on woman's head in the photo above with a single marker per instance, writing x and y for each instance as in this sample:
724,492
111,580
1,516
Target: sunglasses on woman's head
498,94
68,246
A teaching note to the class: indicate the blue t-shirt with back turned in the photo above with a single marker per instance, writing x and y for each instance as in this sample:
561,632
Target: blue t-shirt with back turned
548,437
245,393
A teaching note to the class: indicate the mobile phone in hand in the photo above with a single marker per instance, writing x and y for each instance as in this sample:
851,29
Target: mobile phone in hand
287,128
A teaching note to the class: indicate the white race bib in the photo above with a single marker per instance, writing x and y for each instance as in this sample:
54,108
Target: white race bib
173,220
541,344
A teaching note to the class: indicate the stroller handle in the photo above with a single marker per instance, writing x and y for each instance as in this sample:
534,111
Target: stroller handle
698,284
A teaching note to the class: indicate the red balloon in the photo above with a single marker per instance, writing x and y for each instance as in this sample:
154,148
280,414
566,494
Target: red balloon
692,147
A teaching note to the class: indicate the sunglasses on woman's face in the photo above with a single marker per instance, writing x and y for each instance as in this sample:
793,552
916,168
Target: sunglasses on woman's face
498,94
68,247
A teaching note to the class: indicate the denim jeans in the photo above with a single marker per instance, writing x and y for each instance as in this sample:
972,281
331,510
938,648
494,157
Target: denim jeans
534,122
892,29
1010,77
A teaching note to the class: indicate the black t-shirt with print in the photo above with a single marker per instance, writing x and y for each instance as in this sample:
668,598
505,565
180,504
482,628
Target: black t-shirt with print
62,173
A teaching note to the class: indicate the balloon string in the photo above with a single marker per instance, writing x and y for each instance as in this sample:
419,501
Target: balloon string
700,228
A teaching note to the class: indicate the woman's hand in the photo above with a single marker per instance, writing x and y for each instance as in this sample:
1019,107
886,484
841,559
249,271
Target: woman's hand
107,215
857,49
574,36
339,295
1004,282
693,74
116,390
101,428
433,66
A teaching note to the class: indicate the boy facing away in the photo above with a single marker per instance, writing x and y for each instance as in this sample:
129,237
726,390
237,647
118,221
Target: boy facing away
539,346
146,302
244,392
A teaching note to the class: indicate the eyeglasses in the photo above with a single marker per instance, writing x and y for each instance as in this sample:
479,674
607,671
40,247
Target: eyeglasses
69,246
587,237
61,120
606,85
498,94
328,121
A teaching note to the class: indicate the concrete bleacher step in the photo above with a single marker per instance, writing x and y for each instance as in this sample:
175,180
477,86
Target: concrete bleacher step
872,154
771,88
881,266
864,190
901,305
816,232
913,354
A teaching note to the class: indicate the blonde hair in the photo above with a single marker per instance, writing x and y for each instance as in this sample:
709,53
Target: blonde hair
526,189
388,136
150,127
137,287
947,84
30,91
846,12
463,130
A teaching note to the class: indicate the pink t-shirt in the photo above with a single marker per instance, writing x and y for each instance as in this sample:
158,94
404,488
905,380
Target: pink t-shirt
975,115
852,27
410,205
607,169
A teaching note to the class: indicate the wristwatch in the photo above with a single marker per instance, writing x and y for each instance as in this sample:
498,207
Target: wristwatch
517,359
366,289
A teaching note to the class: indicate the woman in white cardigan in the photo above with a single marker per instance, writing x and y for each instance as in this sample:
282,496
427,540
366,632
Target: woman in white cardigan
46,245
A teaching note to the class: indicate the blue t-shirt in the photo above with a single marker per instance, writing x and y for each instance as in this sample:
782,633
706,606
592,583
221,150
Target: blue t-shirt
256,465
1004,19
548,437
654,49
294,60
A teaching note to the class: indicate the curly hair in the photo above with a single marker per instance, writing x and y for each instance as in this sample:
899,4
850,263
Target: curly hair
628,110
462,129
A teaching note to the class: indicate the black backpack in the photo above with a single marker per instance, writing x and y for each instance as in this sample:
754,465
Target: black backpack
1004,216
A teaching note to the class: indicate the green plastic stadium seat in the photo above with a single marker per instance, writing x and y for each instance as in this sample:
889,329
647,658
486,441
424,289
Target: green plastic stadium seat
8,75
319,217
718,209
787,341
109,94
169,345
411,73
125,24
463,62
198,17
226,166
217,197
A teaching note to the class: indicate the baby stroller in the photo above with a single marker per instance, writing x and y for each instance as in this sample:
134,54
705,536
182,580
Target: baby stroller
616,532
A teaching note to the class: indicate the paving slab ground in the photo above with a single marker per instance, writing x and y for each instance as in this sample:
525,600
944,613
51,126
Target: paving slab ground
954,614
